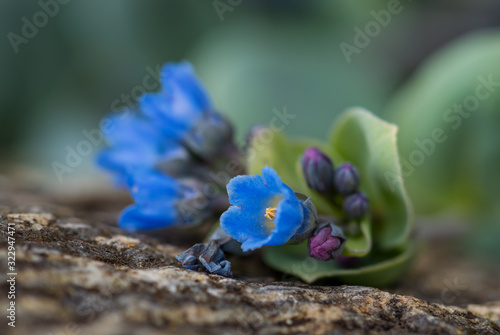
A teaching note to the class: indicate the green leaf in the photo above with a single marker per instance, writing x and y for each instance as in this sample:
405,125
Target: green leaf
377,270
359,244
369,143
454,170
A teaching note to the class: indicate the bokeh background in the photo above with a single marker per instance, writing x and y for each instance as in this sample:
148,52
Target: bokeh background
84,59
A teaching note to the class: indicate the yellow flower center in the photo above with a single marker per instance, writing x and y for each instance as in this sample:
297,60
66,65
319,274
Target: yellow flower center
270,213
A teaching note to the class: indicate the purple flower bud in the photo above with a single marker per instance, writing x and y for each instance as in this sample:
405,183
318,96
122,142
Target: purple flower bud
356,205
327,243
346,179
318,170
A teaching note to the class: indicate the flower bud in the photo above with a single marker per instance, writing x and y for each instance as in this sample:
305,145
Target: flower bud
318,170
346,179
327,242
356,205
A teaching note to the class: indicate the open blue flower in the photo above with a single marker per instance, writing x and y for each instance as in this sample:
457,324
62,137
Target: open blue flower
181,102
135,145
158,203
264,211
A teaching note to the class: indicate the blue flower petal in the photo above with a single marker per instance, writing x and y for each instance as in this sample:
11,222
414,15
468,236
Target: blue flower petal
135,145
123,160
244,226
250,192
181,102
289,216
154,189
272,179
182,78
130,128
155,196
173,122
136,217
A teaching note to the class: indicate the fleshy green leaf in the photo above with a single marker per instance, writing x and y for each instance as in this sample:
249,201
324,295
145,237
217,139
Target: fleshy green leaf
359,244
377,270
369,143
450,153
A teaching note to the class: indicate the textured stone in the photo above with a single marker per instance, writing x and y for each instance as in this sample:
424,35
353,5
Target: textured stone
79,274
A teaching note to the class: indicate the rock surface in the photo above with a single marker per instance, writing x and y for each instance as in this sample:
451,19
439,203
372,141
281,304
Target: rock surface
77,273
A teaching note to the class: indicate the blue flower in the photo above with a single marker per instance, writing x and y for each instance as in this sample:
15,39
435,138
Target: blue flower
265,211
181,102
135,145
158,203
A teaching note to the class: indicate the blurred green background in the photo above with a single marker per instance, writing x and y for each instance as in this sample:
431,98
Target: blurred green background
68,63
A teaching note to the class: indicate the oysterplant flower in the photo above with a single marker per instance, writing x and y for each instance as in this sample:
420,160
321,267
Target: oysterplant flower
264,211
159,201
164,151
169,151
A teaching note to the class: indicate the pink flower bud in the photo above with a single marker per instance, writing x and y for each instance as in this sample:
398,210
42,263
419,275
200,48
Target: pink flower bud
325,245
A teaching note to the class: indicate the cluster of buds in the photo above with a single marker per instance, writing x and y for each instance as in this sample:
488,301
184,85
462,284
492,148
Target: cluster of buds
333,183
340,186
